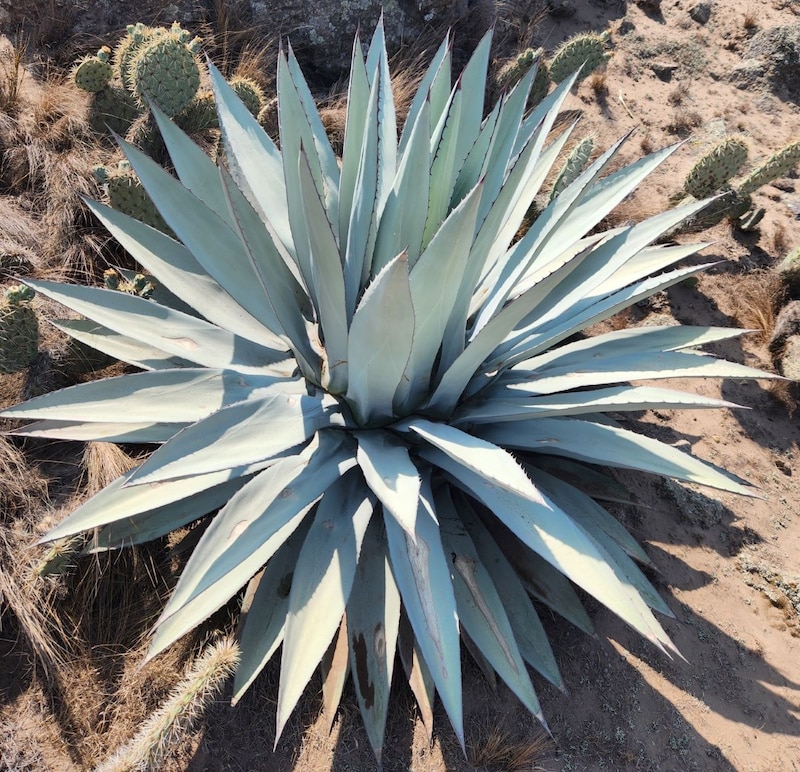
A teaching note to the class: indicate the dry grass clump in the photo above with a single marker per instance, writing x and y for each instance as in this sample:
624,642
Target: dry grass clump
757,300
174,720
500,751
48,151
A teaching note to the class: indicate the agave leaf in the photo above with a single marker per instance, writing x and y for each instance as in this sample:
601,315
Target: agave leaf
253,158
528,631
391,475
326,280
544,582
493,463
648,262
603,528
208,237
666,364
419,676
362,230
358,95
335,667
402,221
246,432
380,342
520,405
169,331
323,578
434,282
311,131
612,446
175,266
180,396
94,431
263,621
632,340
119,346
373,614
554,536
586,478
196,171
117,502
433,90
162,520
378,72
247,532
422,573
502,209
527,342
480,609
287,298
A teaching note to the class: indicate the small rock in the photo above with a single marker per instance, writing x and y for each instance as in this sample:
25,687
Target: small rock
625,27
790,361
649,6
701,12
783,467
561,9
663,70
748,73
787,326
789,270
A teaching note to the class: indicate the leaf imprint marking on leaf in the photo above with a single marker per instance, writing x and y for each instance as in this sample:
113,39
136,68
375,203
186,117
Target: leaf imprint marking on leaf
238,529
418,555
366,687
187,343
286,493
379,642
465,565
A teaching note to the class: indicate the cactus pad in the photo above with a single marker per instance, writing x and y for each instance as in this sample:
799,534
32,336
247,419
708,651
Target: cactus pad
516,68
714,170
93,73
250,93
112,108
199,115
126,194
19,330
588,50
573,166
776,166
166,71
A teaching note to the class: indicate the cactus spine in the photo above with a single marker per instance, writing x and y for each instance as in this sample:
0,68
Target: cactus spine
19,330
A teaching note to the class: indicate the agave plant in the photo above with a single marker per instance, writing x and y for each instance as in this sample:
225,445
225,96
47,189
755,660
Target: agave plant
371,384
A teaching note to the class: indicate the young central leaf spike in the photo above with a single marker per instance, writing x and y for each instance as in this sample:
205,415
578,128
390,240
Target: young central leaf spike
365,379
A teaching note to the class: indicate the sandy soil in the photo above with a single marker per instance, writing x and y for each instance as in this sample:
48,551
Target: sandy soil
727,566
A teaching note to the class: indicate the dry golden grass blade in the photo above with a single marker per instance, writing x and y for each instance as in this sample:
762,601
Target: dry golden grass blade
501,751
171,723
102,463
757,301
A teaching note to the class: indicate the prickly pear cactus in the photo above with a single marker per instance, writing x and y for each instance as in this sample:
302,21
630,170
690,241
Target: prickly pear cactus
515,69
199,115
112,109
19,330
129,46
268,118
166,71
139,284
93,73
126,194
249,92
588,50
715,169
776,166
573,166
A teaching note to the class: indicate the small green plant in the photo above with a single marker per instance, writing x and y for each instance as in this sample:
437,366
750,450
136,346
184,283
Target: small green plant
371,385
